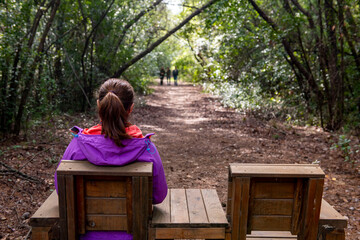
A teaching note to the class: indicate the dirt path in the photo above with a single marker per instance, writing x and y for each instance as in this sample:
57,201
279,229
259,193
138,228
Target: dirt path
197,138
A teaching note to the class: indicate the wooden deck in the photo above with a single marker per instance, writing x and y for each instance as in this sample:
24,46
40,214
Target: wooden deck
189,213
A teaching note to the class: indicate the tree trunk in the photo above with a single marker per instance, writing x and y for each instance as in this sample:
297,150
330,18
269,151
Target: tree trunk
336,97
30,78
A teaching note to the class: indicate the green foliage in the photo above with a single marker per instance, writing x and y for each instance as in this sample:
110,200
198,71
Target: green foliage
87,42
243,59
348,151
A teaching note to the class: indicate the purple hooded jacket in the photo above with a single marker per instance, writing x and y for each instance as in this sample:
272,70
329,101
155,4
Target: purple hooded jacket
103,151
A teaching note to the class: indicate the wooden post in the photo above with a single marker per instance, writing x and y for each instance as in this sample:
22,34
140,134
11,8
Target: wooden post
62,206
312,205
140,189
240,205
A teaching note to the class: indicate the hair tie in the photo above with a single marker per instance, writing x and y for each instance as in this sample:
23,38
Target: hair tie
112,92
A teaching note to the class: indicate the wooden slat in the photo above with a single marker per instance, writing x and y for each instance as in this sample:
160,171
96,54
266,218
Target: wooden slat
70,207
197,212
271,234
179,210
276,170
106,222
312,206
213,207
228,203
144,214
275,190
48,213
136,207
129,204
106,206
337,234
98,188
329,216
251,205
62,206
298,197
70,167
272,207
40,233
80,204
161,213
190,233
240,204
140,190
271,223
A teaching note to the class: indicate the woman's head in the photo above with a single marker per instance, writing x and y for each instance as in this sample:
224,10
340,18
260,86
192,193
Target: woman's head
115,103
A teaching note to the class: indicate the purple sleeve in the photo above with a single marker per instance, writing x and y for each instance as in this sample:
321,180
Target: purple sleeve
160,187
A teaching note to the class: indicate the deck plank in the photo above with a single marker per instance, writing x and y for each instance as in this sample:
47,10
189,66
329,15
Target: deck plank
179,210
161,213
197,212
213,207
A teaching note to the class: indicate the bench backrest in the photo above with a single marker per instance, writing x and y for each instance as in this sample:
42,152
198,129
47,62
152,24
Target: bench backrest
275,197
103,198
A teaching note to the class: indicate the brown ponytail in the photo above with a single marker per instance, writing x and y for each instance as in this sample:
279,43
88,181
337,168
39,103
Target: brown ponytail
115,100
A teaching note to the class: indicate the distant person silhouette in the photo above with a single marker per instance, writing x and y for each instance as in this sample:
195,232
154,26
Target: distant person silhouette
162,74
168,76
175,74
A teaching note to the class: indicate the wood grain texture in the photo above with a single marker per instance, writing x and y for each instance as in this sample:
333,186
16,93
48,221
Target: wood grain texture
274,190
62,206
240,205
140,189
179,212
129,204
106,206
298,197
312,204
80,204
229,197
196,208
275,170
213,207
40,233
99,188
329,216
272,207
190,233
106,222
48,213
85,168
271,223
161,213
70,207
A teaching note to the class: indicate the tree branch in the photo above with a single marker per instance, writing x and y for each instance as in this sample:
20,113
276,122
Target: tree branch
124,67
132,22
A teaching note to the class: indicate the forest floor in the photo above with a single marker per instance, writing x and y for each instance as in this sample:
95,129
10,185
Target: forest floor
197,139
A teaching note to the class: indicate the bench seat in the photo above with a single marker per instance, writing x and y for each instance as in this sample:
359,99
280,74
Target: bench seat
190,214
45,220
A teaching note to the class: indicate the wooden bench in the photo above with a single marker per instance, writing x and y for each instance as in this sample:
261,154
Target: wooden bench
285,199
275,207
95,198
189,214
